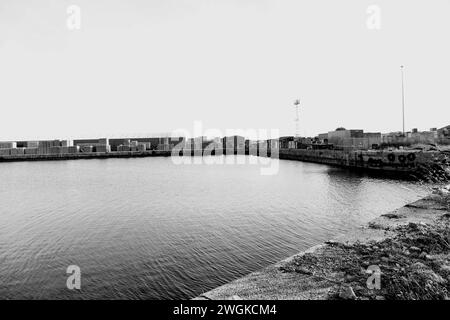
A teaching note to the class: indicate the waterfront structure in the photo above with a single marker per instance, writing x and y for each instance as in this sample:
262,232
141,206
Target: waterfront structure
115,143
444,132
86,148
31,150
105,148
444,135
273,143
345,139
284,141
323,137
8,145
65,143
45,146
233,144
355,139
421,137
433,136
123,148
73,149
55,150
17,151
79,142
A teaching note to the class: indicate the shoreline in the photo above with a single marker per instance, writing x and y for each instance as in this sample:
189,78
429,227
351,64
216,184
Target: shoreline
410,246
424,166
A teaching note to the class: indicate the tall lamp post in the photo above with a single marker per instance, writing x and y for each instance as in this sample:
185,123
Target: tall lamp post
403,98
297,119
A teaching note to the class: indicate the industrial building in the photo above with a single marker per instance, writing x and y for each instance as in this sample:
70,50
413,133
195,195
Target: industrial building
355,139
8,145
432,136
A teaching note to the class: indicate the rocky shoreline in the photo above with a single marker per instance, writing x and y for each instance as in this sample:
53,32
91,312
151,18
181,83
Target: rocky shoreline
402,255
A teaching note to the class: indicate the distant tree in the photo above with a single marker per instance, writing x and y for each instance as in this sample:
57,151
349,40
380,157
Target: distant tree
340,129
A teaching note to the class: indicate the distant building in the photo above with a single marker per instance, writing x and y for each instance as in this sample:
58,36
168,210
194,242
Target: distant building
122,148
79,142
103,148
284,141
45,146
65,143
5,152
393,138
8,145
347,139
444,132
410,138
443,135
86,148
422,137
372,140
323,137
236,143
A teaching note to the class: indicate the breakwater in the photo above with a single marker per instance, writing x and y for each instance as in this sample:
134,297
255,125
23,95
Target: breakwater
400,255
432,165
88,155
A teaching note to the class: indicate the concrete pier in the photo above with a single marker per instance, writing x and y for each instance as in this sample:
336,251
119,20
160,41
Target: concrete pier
413,163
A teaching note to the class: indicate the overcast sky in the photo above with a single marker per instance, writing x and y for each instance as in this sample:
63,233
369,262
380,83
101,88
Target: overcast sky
147,66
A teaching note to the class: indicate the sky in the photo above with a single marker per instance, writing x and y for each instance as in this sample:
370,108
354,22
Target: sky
143,67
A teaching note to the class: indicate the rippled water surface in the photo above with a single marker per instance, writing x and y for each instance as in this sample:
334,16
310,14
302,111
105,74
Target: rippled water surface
149,229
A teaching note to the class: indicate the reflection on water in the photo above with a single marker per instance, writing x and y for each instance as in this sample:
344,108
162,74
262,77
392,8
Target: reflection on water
149,229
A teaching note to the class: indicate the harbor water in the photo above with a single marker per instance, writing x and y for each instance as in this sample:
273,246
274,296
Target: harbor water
147,228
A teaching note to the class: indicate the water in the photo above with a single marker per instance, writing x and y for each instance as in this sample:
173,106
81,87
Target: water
146,228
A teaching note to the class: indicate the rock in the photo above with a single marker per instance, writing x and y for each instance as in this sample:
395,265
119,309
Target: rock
416,249
393,216
347,293
445,268
418,266
385,259
349,278
303,271
421,271
347,245
423,255
380,298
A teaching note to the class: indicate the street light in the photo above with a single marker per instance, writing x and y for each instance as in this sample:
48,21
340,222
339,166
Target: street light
403,99
297,119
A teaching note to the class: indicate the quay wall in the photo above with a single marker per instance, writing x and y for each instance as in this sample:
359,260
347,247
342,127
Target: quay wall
88,155
381,160
399,161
